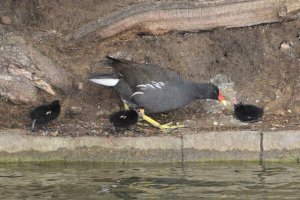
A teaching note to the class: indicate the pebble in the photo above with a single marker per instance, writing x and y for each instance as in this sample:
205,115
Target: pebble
285,45
279,112
54,133
102,112
75,110
190,123
6,20
80,86
215,123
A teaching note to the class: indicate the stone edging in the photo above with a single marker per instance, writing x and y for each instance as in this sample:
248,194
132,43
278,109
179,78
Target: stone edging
17,145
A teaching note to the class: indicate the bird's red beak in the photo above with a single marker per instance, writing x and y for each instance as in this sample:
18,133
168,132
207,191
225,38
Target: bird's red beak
220,97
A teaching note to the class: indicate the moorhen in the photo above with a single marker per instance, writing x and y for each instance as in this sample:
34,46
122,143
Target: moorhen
247,112
124,118
154,88
44,114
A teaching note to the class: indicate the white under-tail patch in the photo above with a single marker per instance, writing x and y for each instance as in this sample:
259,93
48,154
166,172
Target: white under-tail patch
105,81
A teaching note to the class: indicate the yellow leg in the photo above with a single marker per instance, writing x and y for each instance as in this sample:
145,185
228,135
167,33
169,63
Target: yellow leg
145,124
126,106
158,125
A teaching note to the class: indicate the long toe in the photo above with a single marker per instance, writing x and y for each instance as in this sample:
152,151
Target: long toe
143,124
169,126
33,125
160,126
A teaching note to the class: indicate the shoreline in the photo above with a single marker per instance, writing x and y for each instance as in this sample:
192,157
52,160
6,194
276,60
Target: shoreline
277,146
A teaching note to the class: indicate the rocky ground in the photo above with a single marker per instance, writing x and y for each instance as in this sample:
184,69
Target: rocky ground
261,64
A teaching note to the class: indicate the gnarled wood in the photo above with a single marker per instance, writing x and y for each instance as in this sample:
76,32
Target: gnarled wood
161,17
23,70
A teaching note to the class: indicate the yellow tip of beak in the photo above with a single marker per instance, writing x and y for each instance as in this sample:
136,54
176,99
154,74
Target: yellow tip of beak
224,102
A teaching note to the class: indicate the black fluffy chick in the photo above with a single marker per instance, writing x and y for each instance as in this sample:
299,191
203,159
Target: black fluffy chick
45,113
124,118
247,113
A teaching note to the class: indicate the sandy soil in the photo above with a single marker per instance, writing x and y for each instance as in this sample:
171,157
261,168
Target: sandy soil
264,71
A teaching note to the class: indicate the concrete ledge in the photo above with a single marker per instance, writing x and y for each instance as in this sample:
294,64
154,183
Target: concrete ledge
211,146
17,145
281,145
13,141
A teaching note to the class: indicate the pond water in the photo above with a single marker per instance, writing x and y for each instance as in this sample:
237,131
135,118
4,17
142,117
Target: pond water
159,181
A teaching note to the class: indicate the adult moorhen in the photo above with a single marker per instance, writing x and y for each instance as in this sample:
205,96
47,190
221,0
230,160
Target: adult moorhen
153,88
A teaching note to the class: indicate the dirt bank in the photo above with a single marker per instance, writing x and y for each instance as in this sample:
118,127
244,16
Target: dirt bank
262,62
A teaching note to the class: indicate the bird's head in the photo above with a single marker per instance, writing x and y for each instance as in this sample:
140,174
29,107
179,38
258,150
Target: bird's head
215,93
56,102
55,105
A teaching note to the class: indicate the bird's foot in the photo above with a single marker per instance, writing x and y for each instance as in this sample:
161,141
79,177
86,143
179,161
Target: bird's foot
171,126
50,131
161,126
45,130
142,124
33,126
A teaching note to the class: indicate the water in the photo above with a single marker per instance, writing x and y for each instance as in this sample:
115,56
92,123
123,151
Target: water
168,181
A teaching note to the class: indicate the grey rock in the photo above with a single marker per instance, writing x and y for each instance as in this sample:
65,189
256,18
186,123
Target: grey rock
19,63
6,20
75,110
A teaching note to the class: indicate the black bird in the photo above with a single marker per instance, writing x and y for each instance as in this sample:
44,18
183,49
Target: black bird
247,112
44,114
154,88
124,118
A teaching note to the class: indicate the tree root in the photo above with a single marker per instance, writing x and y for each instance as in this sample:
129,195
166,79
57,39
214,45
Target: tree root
162,17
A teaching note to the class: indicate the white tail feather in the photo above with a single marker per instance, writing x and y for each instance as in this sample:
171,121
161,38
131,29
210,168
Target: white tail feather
105,81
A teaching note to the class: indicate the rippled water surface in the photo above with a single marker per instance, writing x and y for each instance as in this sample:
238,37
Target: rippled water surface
193,181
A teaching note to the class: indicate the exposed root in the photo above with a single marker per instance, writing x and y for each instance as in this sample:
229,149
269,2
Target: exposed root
162,17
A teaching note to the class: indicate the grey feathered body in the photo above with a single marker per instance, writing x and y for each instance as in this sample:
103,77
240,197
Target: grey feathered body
156,89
